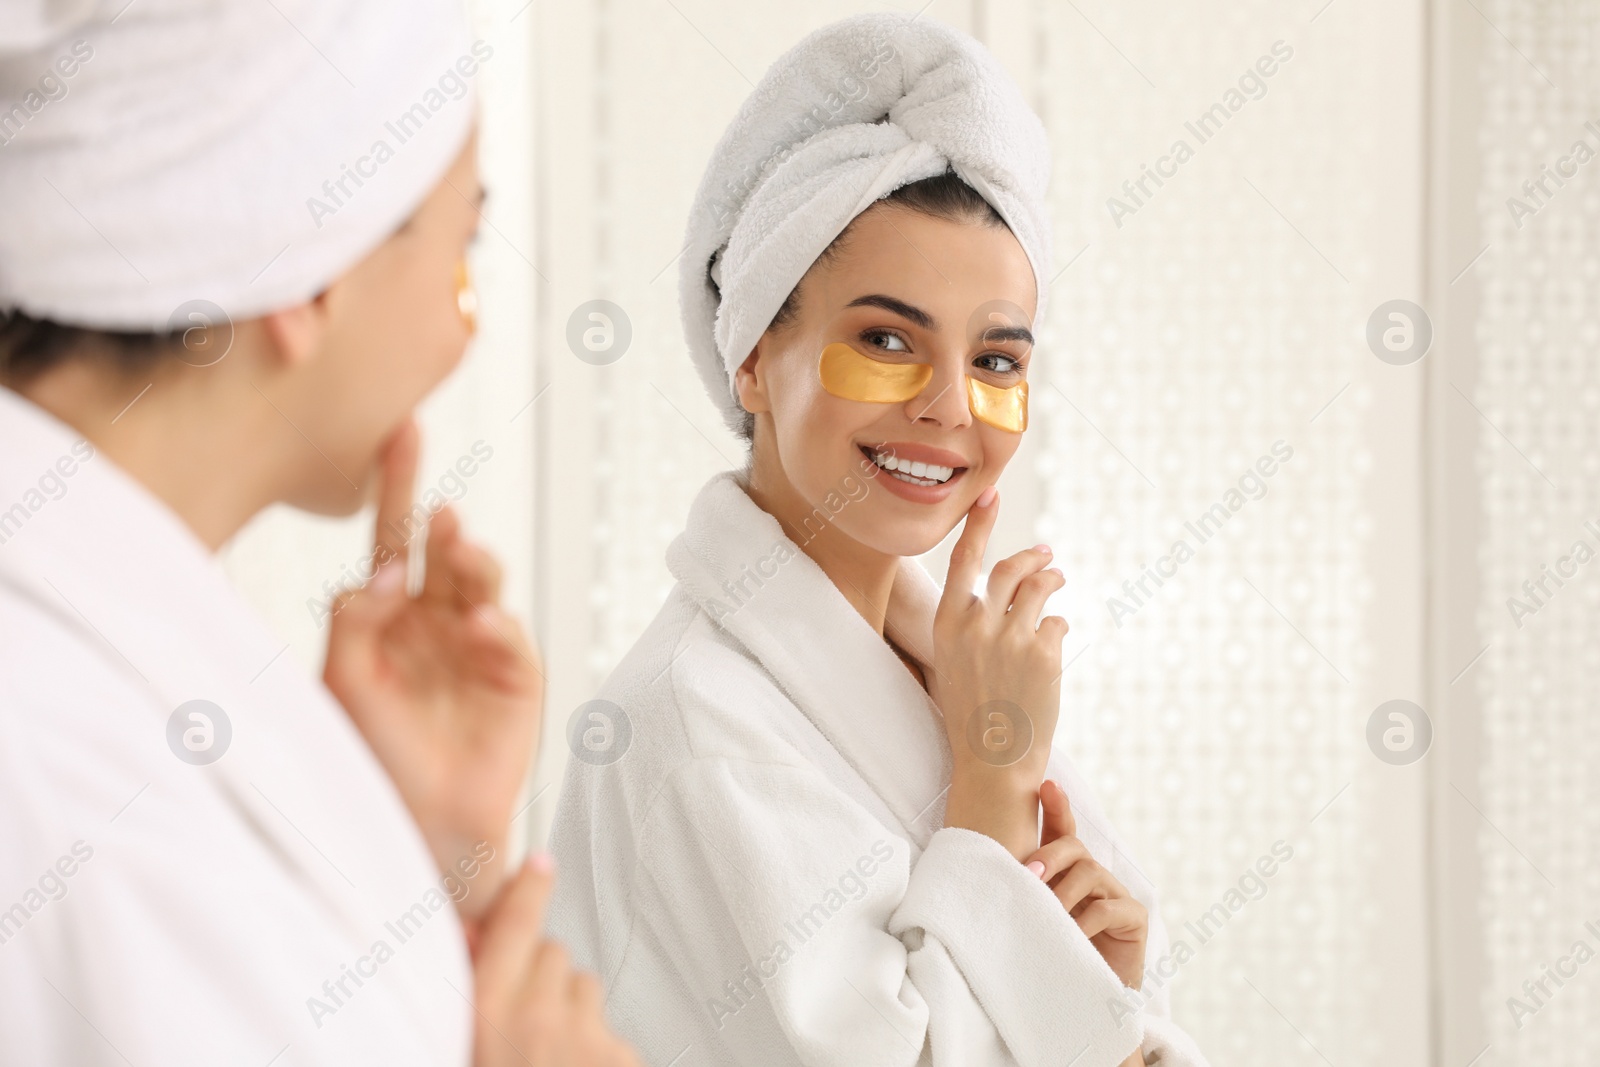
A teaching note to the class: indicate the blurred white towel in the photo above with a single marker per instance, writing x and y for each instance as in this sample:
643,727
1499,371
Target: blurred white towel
167,151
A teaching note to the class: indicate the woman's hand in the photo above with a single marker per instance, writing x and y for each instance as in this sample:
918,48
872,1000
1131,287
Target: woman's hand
533,1009
997,679
1115,923
445,686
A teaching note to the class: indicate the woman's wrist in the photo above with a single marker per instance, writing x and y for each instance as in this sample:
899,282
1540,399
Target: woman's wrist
996,802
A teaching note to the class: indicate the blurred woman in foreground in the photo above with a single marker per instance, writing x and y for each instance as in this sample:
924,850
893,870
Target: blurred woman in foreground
233,264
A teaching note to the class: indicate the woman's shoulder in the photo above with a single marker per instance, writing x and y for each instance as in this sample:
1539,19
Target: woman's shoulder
694,691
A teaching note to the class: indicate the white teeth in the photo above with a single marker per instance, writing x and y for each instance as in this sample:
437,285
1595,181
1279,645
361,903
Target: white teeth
917,473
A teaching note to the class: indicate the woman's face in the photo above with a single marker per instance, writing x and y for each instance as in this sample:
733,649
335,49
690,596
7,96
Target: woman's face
391,332
901,287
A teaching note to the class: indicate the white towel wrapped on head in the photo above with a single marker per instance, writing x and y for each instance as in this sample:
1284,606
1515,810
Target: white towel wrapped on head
241,153
857,109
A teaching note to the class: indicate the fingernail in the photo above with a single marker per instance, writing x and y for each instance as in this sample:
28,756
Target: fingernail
542,862
1037,868
986,497
390,577
1042,548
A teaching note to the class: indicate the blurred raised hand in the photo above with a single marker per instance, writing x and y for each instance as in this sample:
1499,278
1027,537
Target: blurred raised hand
445,685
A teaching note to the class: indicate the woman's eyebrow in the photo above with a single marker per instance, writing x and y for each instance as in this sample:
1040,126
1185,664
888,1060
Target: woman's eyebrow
1002,334
899,307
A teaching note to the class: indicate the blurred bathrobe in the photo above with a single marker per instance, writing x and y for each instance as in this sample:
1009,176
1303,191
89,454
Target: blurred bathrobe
750,850
155,912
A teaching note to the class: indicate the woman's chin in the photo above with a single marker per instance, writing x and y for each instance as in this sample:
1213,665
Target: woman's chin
906,539
336,499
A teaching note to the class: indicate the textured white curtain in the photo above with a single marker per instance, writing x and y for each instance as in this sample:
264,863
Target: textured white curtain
1269,531
1515,420
1233,478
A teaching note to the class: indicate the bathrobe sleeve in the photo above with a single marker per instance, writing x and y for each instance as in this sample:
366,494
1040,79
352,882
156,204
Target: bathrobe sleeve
1165,1043
788,903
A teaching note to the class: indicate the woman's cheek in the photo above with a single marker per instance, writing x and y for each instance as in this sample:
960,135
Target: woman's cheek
998,449
446,333
815,414
455,349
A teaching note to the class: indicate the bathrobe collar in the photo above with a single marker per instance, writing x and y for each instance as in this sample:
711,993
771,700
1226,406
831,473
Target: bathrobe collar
755,582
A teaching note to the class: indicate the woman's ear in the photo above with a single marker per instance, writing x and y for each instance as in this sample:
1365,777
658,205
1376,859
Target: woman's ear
750,381
296,332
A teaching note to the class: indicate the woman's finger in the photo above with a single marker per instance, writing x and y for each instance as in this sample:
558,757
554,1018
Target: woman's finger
587,995
1058,818
360,615
438,581
510,932
397,479
493,648
1056,856
475,573
1031,594
966,558
551,975
1083,880
1121,917
1007,576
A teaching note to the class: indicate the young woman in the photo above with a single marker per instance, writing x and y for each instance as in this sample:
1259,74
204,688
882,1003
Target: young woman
204,862
822,844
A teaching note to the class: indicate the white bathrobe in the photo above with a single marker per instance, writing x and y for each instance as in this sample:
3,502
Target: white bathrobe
762,875
153,911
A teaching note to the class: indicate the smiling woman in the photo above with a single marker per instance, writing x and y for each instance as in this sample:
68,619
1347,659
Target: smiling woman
863,316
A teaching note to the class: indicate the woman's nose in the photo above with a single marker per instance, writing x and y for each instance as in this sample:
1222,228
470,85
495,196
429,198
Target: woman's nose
944,400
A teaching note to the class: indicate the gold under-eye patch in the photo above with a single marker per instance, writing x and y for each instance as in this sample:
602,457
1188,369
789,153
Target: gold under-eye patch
466,297
853,375
1004,409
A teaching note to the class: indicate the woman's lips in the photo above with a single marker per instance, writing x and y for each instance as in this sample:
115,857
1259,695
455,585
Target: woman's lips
919,494
913,451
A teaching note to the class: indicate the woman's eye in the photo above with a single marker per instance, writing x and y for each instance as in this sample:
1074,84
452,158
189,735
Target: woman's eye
999,363
889,342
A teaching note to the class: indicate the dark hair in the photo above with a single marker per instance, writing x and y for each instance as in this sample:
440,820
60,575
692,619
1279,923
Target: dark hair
943,196
30,346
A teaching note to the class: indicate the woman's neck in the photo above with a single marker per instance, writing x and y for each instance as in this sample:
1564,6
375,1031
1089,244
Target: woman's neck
211,462
865,577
